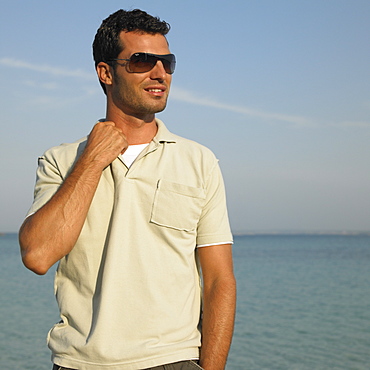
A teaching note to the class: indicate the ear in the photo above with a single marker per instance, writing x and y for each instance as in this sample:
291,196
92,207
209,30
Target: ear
104,72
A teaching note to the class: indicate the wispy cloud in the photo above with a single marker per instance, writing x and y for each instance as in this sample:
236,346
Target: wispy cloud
190,97
360,124
177,94
44,68
45,86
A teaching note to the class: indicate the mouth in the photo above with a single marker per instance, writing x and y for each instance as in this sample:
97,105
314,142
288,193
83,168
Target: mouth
156,91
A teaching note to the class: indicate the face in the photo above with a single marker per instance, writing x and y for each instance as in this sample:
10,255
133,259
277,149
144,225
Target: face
141,94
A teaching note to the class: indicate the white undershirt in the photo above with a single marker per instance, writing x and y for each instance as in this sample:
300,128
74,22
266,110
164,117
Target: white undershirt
132,152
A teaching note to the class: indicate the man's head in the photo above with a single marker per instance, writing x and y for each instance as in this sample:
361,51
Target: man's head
108,44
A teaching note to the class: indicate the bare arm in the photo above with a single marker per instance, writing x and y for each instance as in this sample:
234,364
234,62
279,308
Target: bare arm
219,298
50,233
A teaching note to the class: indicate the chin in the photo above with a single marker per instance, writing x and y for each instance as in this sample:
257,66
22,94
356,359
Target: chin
160,109
157,108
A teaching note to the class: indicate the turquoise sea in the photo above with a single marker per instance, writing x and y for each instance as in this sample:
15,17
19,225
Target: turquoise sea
303,303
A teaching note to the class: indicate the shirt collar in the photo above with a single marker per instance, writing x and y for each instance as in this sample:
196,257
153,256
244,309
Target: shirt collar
163,134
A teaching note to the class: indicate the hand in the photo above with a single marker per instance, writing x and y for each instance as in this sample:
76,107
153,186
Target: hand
105,143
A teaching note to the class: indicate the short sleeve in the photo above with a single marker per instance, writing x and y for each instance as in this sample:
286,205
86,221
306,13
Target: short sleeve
48,181
213,226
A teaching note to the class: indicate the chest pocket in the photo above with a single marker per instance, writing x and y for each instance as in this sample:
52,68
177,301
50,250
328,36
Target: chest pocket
177,206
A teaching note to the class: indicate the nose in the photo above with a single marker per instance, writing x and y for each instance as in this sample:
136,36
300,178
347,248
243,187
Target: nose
158,72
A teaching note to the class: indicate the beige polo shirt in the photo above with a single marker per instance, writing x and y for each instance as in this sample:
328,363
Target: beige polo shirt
129,292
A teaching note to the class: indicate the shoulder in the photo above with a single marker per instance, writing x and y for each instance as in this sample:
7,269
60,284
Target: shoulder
192,158
64,155
67,147
182,145
194,148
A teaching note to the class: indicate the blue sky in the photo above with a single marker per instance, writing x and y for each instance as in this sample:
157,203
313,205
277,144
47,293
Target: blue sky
278,89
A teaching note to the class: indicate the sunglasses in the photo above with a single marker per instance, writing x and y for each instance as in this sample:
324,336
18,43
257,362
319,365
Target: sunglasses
144,62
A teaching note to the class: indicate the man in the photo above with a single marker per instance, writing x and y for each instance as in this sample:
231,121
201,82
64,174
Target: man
133,213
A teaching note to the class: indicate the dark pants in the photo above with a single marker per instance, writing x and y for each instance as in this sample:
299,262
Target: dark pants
182,365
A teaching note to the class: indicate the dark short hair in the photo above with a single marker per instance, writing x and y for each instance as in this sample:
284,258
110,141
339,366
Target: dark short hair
107,44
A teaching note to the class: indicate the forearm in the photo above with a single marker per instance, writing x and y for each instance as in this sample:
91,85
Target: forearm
51,232
218,323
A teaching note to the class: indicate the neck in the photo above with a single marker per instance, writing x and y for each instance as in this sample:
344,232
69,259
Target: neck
137,130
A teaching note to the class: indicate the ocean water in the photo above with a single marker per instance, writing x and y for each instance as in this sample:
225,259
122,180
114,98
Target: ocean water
303,303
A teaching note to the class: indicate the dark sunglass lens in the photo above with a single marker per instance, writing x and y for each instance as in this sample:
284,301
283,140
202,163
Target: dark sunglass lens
166,65
169,63
141,62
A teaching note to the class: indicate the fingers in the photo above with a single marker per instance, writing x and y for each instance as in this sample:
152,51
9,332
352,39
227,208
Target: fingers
105,143
106,123
112,124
